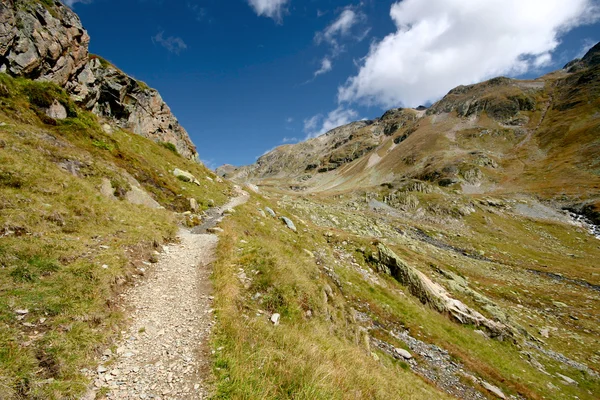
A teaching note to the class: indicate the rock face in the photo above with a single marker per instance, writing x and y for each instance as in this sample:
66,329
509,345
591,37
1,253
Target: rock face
324,153
41,42
48,42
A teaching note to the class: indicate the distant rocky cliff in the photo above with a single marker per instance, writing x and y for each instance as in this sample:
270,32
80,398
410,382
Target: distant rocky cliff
45,40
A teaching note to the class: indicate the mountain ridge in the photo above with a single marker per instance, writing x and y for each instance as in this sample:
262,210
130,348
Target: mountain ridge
475,140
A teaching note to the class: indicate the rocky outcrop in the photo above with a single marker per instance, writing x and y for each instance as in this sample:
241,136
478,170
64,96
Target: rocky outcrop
46,41
41,42
433,294
503,100
131,104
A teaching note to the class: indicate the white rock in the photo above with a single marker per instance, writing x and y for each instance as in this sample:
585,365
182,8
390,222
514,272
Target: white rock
566,379
493,389
22,312
403,353
275,319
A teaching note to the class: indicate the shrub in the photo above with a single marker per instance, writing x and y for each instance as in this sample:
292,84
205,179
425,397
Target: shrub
169,146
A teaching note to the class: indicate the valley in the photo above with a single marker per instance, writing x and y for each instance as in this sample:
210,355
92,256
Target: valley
442,252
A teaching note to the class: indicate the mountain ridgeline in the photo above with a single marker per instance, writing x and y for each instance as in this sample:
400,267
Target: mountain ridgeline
502,135
45,41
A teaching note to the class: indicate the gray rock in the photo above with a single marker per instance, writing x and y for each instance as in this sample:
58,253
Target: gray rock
403,353
270,212
566,379
432,293
106,189
139,196
185,176
57,111
193,205
493,389
289,223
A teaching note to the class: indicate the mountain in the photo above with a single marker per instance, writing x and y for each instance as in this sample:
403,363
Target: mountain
433,253
500,136
45,41
458,243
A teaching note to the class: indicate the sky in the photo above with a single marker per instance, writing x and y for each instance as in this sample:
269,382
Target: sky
245,76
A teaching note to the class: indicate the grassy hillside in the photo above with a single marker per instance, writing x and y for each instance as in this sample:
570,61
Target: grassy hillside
340,317
65,249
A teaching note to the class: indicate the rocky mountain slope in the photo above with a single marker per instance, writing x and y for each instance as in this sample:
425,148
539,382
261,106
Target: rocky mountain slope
447,243
44,40
503,135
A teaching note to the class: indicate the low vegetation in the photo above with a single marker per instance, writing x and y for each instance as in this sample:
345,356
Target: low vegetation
66,250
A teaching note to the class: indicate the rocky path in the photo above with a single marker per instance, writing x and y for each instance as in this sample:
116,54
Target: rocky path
163,354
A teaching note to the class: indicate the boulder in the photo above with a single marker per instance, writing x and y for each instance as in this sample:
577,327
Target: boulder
493,389
56,111
193,205
403,353
185,176
270,212
139,196
566,379
288,222
107,190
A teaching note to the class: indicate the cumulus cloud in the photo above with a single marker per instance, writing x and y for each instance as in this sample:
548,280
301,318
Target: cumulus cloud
171,43
269,8
440,44
319,124
326,66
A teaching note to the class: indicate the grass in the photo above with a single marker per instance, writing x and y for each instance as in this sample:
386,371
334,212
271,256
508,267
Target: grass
308,356
526,298
57,232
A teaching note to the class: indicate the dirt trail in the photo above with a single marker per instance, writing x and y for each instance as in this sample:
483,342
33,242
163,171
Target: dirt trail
163,354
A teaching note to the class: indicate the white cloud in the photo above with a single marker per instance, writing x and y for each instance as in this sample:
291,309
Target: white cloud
440,44
318,124
289,140
586,45
289,120
326,66
269,8
71,3
341,27
172,44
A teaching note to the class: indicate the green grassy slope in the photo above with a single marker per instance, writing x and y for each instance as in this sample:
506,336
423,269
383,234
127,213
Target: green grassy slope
65,249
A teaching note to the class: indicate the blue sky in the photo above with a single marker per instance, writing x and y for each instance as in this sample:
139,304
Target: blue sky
244,76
